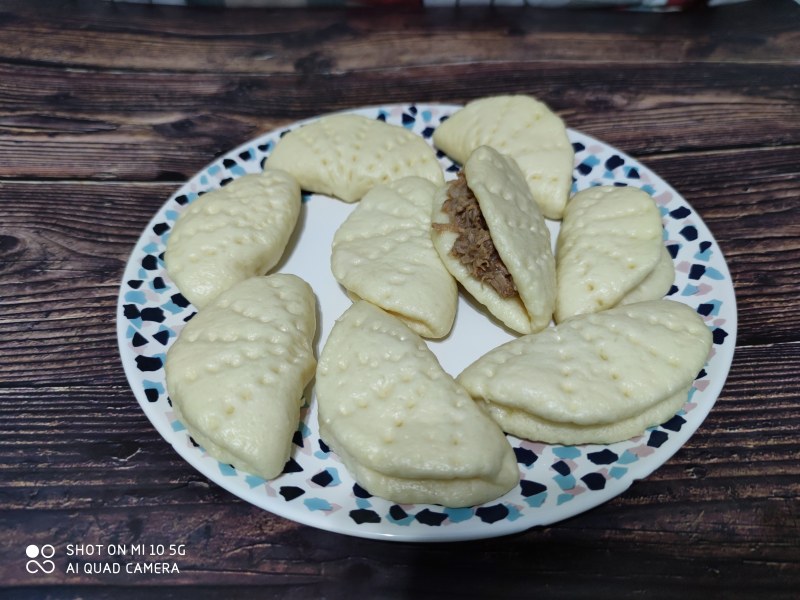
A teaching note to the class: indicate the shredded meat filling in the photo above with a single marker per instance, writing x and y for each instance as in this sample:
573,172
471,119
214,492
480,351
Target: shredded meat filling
473,246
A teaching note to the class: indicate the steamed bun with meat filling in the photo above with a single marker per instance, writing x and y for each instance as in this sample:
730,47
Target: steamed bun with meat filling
403,427
609,246
232,233
346,155
596,378
521,127
237,371
491,235
383,253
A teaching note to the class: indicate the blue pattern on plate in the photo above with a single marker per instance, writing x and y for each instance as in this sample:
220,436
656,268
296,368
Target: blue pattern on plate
149,308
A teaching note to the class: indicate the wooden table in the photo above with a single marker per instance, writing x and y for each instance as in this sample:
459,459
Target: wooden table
105,109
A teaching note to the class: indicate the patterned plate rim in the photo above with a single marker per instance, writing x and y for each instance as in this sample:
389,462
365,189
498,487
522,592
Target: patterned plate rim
516,511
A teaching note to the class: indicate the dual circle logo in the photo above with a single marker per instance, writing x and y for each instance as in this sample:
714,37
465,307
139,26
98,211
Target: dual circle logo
35,553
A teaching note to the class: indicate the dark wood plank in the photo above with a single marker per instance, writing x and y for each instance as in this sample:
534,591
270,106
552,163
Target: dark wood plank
246,546
105,108
116,132
85,35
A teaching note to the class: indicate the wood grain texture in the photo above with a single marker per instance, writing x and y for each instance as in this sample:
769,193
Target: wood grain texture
87,36
105,109
194,118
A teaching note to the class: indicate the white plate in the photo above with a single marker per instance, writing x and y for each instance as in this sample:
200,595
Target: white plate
315,489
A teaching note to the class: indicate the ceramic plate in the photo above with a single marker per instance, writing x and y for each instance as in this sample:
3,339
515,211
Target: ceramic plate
315,489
